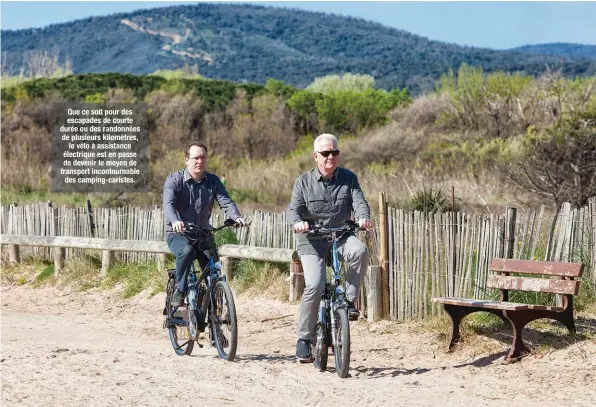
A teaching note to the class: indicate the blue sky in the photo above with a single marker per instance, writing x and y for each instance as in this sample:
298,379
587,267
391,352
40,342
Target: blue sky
498,25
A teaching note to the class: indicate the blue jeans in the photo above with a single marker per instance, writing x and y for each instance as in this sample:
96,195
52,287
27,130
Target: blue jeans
185,255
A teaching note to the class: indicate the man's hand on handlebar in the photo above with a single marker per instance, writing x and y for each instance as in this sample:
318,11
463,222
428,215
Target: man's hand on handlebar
178,227
301,227
365,223
241,222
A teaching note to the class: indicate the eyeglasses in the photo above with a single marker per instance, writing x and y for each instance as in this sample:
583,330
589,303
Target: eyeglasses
334,153
197,157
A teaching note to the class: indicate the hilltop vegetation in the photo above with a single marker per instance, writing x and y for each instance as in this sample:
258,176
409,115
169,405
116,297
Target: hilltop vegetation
248,43
560,49
498,136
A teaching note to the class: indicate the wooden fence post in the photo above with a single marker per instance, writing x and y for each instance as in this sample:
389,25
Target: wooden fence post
161,261
107,258
510,220
384,254
90,214
14,254
227,268
296,281
501,238
374,295
59,252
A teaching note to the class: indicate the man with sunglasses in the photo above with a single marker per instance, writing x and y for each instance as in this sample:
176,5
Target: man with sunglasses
188,196
329,194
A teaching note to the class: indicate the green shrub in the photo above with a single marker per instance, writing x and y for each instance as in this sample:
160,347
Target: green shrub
225,236
429,200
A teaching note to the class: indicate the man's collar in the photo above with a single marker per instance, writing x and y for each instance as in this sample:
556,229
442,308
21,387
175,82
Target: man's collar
188,177
319,176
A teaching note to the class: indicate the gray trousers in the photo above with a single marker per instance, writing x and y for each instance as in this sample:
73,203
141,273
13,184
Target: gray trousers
351,251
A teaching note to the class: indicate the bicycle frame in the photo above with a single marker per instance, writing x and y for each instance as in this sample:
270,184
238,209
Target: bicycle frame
211,274
338,298
332,300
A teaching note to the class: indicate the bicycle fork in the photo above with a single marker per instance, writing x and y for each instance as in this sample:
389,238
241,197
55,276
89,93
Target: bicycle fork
339,302
327,316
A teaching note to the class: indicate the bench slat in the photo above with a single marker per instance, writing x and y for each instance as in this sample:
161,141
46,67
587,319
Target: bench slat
541,285
538,267
470,302
507,306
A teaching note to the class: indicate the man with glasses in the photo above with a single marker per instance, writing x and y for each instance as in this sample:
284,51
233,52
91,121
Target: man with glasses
329,194
188,196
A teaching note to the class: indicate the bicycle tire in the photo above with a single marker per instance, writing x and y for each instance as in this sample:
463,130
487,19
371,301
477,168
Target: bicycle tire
186,347
342,347
321,348
226,346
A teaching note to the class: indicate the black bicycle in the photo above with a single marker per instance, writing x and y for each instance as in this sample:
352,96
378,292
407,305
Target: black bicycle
208,297
333,325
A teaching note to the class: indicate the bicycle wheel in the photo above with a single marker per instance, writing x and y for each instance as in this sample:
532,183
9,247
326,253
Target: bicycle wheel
321,348
224,328
178,324
342,347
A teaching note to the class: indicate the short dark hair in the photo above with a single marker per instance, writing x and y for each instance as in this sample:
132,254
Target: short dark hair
187,152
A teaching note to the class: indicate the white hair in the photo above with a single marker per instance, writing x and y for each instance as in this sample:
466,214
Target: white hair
325,137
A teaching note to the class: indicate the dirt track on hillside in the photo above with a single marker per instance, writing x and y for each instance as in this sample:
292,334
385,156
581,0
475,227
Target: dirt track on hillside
94,348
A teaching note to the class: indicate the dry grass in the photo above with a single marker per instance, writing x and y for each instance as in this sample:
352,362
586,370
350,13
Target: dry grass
23,273
483,334
259,279
81,273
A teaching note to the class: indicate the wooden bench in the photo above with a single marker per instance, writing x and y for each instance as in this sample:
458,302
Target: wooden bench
554,277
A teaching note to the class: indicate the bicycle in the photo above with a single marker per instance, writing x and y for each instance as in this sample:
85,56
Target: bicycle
333,325
218,305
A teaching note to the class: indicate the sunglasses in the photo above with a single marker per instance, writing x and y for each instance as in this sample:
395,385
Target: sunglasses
334,153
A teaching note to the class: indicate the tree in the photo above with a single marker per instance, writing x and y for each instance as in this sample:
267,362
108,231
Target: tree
560,162
279,88
348,82
304,104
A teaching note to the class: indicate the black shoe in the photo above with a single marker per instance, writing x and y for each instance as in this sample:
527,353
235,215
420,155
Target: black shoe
353,313
303,353
177,299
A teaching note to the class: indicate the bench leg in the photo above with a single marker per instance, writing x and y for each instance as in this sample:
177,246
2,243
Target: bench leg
456,314
569,324
566,317
518,322
519,319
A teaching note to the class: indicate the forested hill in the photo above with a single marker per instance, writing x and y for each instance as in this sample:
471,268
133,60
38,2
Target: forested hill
560,49
253,43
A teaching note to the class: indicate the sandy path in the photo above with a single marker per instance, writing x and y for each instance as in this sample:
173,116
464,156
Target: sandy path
96,349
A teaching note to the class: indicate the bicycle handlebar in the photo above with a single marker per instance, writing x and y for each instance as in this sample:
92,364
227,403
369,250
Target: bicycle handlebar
192,229
319,230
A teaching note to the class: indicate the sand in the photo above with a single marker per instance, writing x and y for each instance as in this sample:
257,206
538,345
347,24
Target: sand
63,348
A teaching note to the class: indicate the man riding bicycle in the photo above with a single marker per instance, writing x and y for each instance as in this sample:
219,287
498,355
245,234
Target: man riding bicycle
188,196
327,194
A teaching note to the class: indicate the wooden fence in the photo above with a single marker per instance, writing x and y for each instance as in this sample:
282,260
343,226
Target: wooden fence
448,254
125,223
130,223
445,254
